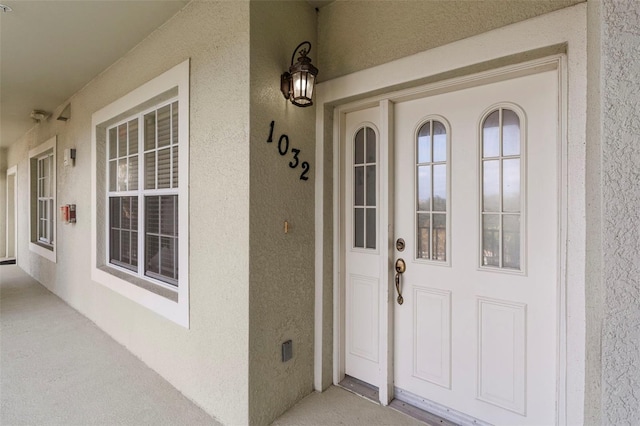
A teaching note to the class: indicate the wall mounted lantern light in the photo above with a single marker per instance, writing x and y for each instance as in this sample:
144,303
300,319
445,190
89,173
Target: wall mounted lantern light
297,84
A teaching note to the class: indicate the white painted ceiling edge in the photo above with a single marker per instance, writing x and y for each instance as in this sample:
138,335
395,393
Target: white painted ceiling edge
51,49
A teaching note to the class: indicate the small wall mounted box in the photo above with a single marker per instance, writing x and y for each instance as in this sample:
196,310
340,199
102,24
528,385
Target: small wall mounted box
287,351
69,157
68,213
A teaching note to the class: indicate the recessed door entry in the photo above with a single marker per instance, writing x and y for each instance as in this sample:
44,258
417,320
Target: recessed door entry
475,184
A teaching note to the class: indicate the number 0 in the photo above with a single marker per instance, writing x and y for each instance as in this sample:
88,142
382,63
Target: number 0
286,146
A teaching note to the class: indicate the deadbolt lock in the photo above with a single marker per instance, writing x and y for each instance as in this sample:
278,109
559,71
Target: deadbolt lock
400,244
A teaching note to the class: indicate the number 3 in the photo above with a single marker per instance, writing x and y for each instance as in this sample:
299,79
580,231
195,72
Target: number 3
295,157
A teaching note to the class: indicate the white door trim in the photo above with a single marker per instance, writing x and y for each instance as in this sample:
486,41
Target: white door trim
564,27
12,171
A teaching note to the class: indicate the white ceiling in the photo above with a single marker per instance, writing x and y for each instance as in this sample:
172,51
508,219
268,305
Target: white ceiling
50,49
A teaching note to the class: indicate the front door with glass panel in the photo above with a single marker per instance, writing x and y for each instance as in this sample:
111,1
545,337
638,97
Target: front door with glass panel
476,204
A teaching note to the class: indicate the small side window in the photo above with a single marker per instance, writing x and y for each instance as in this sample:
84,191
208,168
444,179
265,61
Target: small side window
365,148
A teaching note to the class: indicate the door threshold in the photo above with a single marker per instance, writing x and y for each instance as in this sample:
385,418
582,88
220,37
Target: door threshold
360,388
8,261
370,392
444,415
420,414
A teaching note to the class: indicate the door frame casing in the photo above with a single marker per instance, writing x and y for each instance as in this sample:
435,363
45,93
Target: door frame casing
12,171
384,103
560,31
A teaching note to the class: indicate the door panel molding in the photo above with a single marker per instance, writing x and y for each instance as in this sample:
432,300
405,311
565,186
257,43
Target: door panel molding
502,324
435,350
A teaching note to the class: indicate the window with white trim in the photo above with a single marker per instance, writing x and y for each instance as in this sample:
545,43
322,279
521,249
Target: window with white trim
140,225
145,244
42,184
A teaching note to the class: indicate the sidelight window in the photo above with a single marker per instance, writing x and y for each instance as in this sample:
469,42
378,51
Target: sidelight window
365,189
502,193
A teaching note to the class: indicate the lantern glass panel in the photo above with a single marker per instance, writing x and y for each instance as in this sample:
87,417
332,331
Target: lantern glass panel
302,83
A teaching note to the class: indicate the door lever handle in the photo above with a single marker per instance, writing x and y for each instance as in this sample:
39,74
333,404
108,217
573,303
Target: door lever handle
400,268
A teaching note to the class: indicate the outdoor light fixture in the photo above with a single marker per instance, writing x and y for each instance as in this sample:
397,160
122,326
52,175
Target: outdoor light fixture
297,84
39,115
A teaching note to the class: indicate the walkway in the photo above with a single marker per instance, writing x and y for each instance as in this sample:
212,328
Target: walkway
59,368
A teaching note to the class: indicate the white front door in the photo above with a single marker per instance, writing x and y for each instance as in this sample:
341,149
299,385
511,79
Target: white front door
476,203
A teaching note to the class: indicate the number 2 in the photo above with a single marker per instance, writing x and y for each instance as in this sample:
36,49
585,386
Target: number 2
305,167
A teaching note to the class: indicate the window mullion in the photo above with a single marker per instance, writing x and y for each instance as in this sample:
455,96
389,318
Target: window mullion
155,144
127,156
50,219
500,186
432,189
171,145
140,195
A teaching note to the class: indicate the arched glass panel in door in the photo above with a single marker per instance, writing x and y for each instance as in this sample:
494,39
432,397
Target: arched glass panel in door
365,188
431,191
502,191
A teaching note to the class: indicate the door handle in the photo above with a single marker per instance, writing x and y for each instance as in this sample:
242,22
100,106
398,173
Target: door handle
400,268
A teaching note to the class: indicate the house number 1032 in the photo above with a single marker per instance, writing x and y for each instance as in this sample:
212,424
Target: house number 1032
283,149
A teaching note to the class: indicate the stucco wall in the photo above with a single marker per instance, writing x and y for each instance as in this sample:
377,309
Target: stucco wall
208,362
356,35
621,211
281,265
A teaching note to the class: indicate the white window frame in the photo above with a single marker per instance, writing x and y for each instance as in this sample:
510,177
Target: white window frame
170,86
141,194
45,248
363,126
447,212
523,189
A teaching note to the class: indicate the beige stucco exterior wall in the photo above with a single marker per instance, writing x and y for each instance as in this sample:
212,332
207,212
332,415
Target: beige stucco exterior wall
620,148
208,362
282,264
356,35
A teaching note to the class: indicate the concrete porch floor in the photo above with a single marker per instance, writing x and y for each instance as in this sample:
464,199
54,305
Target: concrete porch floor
59,368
